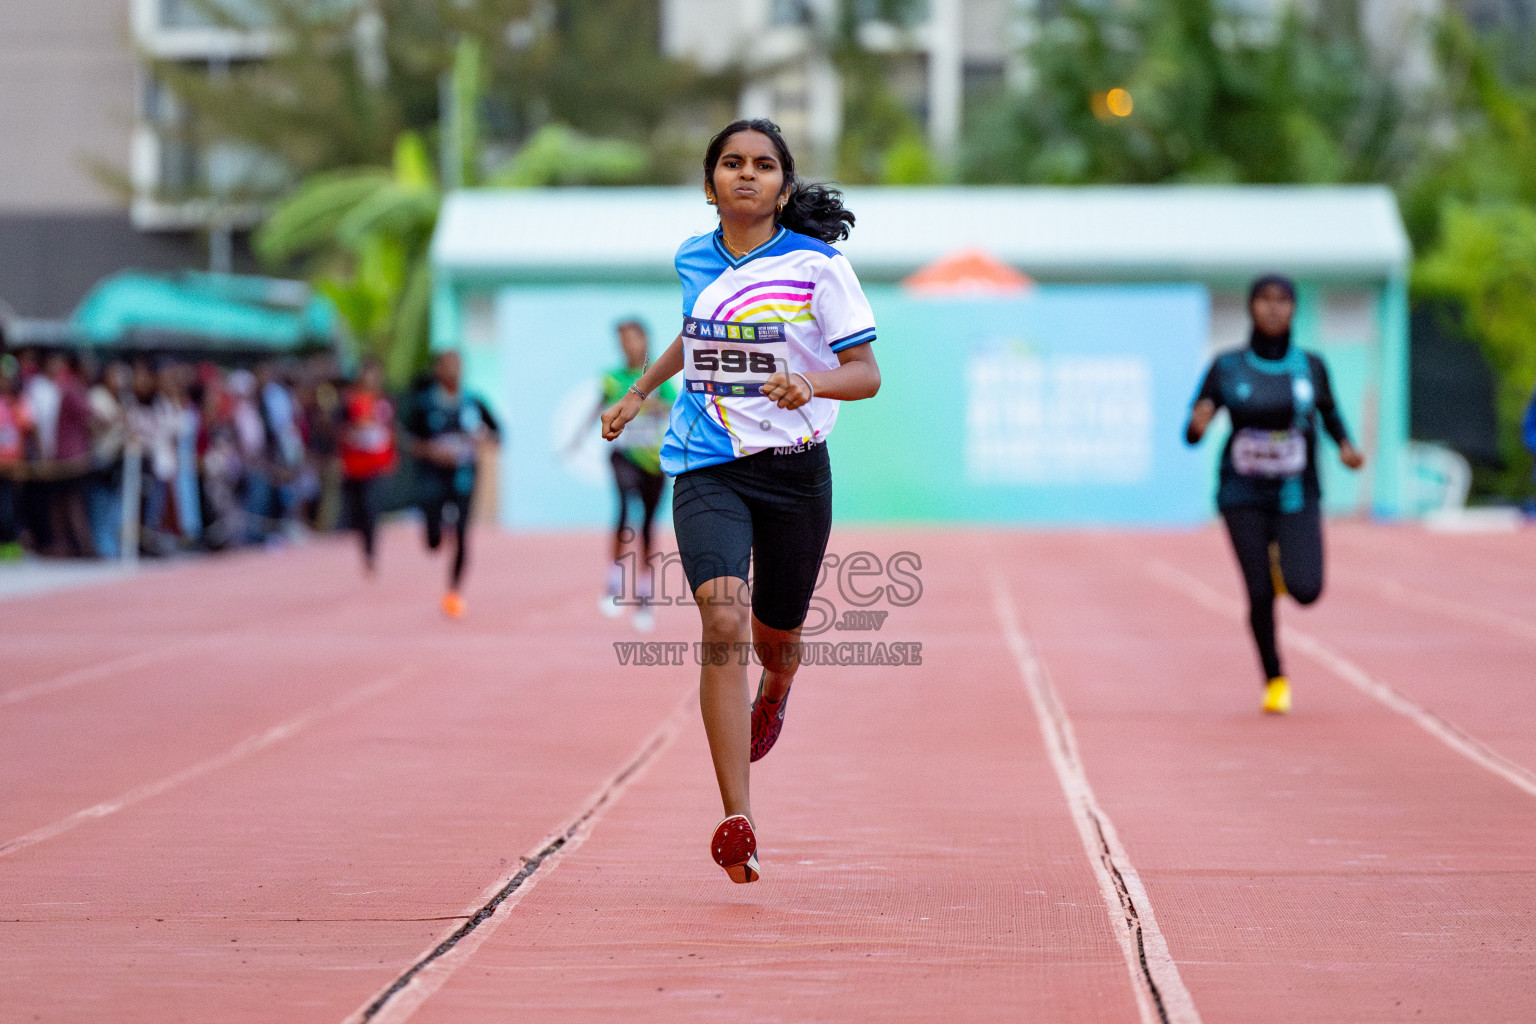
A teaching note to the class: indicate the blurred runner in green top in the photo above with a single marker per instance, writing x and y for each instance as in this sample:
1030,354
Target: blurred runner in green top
636,461
644,448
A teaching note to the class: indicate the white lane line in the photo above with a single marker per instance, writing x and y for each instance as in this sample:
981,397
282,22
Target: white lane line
245,748
398,1001
1325,654
1473,615
90,673
1161,995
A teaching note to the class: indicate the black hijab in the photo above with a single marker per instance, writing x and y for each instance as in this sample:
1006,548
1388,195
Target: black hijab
1270,346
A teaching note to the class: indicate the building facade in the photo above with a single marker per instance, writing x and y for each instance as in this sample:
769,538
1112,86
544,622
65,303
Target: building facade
83,164
784,48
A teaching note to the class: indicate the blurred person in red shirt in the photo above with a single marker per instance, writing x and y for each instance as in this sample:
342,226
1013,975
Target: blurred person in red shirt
368,452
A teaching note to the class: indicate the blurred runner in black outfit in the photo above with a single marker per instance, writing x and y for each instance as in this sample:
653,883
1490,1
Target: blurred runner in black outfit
1269,494
447,428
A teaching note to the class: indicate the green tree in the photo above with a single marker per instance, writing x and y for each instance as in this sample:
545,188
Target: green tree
882,140
347,78
557,155
1470,204
1485,264
357,95
1207,95
1483,149
363,235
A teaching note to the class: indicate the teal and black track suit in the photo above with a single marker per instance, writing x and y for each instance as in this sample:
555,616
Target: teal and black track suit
455,420
1269,491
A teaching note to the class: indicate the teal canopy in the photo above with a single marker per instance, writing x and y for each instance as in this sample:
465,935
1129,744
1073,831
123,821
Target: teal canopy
206,312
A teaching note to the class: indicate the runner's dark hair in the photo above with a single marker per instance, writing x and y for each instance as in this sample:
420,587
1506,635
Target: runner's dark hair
812,209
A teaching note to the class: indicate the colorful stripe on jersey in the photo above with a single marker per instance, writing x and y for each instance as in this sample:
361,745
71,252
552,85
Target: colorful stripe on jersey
784,301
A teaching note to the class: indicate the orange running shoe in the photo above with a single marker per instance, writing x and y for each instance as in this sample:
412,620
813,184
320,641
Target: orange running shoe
735,849
453,606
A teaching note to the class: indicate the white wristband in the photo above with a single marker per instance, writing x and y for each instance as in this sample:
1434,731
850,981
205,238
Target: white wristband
808,383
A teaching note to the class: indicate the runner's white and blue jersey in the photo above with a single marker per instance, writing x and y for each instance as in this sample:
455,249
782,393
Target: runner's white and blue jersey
789,305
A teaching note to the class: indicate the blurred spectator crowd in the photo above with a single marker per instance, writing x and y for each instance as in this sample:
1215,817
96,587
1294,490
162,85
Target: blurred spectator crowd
211,457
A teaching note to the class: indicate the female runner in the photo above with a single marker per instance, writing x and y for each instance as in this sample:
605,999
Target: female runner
447,426
636,468
1269,493
368,453
776,332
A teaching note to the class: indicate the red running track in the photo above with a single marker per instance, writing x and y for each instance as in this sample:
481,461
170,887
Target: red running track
260,788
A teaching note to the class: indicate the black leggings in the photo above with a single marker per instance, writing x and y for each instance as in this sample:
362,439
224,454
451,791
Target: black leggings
768,514
434,510
1300,539
362,498
634,482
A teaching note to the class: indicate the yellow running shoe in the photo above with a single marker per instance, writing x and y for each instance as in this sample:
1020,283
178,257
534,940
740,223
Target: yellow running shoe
453,606
1277,696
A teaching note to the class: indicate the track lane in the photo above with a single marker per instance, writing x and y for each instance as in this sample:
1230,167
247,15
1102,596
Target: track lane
331,858
919,861
1479,569
1161,993
1349,671
1462,662
1335,865
410,990
76,740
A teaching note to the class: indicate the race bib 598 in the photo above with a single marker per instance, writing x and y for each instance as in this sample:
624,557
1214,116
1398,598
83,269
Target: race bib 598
732,359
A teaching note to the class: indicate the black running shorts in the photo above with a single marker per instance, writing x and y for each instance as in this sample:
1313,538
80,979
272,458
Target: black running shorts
770,508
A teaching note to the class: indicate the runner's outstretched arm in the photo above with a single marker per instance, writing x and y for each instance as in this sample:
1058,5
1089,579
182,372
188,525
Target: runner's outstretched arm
668,365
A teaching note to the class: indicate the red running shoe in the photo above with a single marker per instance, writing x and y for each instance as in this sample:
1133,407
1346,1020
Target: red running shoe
767,720
735,848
